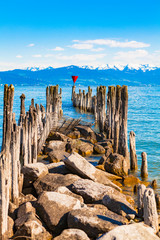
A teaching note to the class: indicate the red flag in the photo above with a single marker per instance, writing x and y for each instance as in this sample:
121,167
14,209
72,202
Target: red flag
74,78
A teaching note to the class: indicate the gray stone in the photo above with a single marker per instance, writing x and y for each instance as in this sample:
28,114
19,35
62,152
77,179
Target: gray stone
99,149
91,191
116,164
59,168
73,234
91,221
25,208
52,181
66,191
79,165
53,207
34,170
117,203
136,231
57,155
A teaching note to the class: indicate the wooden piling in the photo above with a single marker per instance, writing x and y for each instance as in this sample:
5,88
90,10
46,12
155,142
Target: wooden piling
144,167
133,156
150,209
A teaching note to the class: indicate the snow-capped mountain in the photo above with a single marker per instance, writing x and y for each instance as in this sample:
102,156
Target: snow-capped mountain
88,75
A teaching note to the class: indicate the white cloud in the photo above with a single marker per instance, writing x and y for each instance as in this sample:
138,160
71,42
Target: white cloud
58,49
18,56
130,55
114,44
37,56
31,45
48,55
81,57
81,46
97,49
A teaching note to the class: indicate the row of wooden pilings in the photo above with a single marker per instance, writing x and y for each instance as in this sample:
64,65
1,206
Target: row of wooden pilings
112,119
22,142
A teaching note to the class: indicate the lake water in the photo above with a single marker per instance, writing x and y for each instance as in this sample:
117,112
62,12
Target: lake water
143,117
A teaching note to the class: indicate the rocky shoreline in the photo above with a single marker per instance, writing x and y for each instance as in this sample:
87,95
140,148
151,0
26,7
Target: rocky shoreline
66,197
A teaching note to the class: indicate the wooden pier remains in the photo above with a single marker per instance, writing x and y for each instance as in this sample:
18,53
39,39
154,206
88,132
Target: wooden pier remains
22,142
113,120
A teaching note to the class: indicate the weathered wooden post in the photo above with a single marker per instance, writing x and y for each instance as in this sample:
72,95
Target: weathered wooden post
144,167
150,209
73,91
89,99
117,118
123,144
133,156
101,107
140,190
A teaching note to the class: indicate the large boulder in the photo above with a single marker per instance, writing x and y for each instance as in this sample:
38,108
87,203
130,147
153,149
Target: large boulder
53,207
55,145
90,190
99,149
86,132
77,145
57,156
57,136
25,208
91,221
116,164
136,231
65,190
118,203
58,167
33,171
72,234
74,134
30,227
79,165
52,181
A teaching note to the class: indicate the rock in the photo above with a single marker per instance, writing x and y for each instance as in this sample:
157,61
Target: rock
106,143
130,180
26,198
116,164
99,149
29,190
91,221
73,234
136,231
53,207
59,168
30,227
101,167
66,191
85,149
58,136
29,216
10,227
74,135
55,145
117,203
57,156
52,181
25,208
86,131
157,197
34,170
91,191
12,211
102,160
79,165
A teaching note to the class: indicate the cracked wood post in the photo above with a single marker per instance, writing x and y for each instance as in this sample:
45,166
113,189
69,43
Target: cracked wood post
73,92
117,118
84,100
140,191
133,156
144,167
150,209
101,106
123,144
89,99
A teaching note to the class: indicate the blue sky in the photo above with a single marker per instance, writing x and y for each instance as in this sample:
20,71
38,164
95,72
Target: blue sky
60,33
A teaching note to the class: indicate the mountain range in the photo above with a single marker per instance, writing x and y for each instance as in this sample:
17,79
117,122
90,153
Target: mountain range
105,75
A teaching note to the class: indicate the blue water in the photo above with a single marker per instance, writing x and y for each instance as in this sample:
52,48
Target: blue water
143,117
